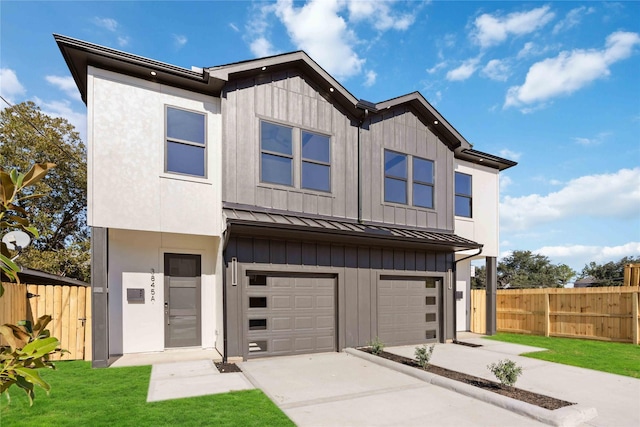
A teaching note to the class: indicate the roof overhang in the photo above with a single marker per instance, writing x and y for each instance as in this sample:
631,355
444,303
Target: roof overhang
79,55
287,225
37,277
484,159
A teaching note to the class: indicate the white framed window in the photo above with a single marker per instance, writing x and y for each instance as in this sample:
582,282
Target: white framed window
185,142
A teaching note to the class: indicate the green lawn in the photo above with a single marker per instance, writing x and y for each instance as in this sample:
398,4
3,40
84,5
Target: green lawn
612,357
82,396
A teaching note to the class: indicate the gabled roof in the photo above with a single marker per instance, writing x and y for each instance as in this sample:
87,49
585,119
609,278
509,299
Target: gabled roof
268,222
79,54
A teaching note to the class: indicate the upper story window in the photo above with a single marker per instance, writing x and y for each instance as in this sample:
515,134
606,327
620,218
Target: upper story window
276,153
185,150
463,195
285,150
398,188
395,177
423,181
316,162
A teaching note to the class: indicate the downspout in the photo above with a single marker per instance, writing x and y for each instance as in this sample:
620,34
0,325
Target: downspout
455,281
360,123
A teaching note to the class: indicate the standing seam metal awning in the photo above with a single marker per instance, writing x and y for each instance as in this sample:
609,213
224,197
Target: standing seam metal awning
266,223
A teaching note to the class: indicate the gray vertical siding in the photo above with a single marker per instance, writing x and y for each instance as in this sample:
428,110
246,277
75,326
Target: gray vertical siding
286,98
357,269
399,129
289,98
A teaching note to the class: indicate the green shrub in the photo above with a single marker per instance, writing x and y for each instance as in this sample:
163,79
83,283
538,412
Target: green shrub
506,371
376,346
423,355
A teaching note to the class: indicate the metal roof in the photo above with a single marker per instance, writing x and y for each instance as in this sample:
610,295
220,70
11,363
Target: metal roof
288,224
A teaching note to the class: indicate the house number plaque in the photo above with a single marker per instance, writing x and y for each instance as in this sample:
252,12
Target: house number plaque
153,285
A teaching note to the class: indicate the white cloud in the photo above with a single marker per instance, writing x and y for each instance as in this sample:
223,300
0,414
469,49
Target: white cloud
370,78
379,14
615,195
573,18
65,84
508,154
123,41
570,71
180,40
10,86
580,255
317,28
63,109
505,181
437,67
596,140
234,27
497,69
107,23
494,29
464,71
261,47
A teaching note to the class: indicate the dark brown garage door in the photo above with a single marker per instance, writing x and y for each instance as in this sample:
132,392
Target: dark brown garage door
290,315
408,310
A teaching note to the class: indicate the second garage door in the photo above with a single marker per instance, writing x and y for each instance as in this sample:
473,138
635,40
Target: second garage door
290,315
408,310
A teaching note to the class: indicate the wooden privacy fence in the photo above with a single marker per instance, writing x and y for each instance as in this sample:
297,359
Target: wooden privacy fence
604,313
68,305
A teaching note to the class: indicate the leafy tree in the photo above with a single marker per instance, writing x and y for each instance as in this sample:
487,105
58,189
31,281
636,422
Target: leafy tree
524,269
27,134
609,274
480,279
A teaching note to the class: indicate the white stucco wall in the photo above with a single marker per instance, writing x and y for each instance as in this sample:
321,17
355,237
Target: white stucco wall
135,327
463,283
128,188
484,227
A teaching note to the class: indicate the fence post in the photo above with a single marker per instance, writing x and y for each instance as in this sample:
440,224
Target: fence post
634,319
547,313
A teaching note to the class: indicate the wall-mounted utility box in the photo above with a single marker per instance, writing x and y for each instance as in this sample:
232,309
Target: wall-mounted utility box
135,296
459,294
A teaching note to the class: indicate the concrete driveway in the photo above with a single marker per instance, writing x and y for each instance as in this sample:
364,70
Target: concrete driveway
337,389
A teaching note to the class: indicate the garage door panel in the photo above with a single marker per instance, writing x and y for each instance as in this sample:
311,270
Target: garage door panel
300,316
407,310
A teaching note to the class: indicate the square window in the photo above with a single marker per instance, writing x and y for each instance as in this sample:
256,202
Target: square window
185,142
276,169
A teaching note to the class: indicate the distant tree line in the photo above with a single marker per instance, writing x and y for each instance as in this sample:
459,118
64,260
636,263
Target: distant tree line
524,269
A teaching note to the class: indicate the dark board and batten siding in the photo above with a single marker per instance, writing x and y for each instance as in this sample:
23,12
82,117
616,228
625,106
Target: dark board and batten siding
289,99
357,269
399,129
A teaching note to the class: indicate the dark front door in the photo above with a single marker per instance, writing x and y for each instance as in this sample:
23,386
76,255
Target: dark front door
182,300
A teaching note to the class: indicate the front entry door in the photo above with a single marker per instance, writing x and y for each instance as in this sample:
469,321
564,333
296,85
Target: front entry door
182,300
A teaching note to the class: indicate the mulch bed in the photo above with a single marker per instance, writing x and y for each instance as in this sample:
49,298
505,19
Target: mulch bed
512,392
226,368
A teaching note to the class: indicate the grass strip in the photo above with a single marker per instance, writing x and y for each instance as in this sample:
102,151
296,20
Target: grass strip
611,357
82,396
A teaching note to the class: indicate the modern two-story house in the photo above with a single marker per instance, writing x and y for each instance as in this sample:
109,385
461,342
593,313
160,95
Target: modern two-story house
260,209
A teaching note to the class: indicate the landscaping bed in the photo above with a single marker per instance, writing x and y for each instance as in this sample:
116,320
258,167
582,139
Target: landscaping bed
227,368
540,400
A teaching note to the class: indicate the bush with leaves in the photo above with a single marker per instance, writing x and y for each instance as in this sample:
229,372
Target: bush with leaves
423,355
29,348
506,371
376,346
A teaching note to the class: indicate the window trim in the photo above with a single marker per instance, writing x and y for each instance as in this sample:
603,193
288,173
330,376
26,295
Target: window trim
395,177
304,160
463,195
278,154
296,157
409,182
415,181
167,140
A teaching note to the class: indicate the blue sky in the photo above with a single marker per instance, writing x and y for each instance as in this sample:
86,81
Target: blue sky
552,85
